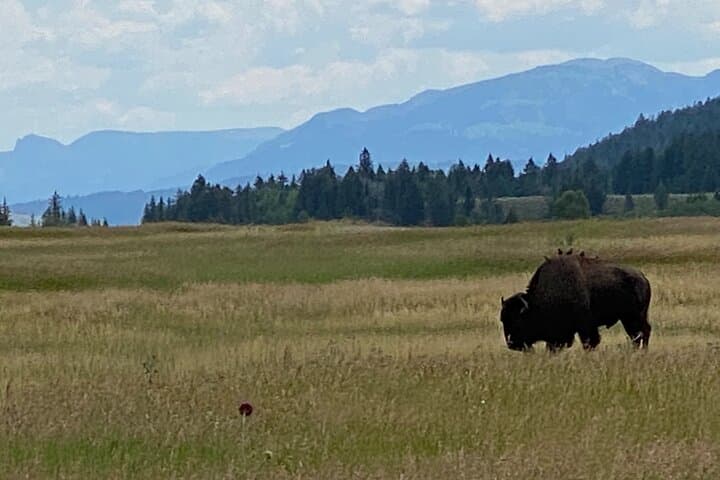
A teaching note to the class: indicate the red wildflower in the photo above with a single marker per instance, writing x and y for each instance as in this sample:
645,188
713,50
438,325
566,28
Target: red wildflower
246,409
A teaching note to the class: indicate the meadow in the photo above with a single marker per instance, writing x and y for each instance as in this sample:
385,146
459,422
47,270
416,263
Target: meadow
366,351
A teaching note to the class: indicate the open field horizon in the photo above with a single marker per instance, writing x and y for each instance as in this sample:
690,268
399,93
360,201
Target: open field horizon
367,352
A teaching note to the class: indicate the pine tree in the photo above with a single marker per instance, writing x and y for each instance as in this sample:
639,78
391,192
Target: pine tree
82,219
551,176
594,184
160,212
147,214
71,217
365,167
440,209
54,214
351,201
529,180
468,202
5,220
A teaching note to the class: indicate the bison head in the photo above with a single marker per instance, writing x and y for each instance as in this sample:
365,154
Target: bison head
514,316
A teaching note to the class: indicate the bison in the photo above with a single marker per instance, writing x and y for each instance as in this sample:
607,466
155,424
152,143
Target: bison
572,294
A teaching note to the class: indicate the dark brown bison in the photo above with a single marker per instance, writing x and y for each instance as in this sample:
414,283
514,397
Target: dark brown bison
576,294
619,293
555,307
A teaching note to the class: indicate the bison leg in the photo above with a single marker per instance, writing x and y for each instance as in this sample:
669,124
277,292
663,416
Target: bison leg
646,334
589,335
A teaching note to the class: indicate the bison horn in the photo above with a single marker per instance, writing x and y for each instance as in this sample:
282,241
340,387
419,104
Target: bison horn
560,252
502,300
526,307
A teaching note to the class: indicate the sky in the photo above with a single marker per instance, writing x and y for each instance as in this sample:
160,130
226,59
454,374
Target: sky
68,67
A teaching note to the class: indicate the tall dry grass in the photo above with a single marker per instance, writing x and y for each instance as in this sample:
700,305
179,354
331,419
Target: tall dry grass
362,377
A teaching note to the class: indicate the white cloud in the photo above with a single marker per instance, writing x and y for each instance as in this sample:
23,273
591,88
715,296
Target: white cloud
109,114
137,6
146,118
16,26
648,13
407,7
499,10
300,84
384,30
699,67
343,82
413,7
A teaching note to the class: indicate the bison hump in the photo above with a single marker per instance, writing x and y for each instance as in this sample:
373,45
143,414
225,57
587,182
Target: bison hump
559,282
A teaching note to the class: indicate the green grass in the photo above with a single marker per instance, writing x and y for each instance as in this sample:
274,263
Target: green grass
167,257
367,352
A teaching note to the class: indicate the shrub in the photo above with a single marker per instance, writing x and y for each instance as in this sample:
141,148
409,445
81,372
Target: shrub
661,196
571,205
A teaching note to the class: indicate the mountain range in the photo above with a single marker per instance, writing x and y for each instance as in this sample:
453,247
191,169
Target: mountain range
550,109
555,108
113,160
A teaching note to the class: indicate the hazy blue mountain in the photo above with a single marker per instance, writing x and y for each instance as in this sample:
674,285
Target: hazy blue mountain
112,160
530,114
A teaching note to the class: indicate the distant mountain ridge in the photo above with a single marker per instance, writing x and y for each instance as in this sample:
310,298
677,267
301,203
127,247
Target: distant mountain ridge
116,160
554,108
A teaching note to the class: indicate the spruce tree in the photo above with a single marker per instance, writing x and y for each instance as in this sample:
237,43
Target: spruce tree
5,220
365,166
71,217
529,180
160,212
440,209
468,202
148,214
594,184
54,214
551,176
82,219
351,200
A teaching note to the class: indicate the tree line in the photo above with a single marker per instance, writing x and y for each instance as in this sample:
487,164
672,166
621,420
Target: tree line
56,216
656,132
679,149
407,195
419,195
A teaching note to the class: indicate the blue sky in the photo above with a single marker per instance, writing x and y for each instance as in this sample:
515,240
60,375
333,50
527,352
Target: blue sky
71,66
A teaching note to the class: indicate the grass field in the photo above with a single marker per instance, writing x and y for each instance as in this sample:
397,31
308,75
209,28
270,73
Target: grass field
367,352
